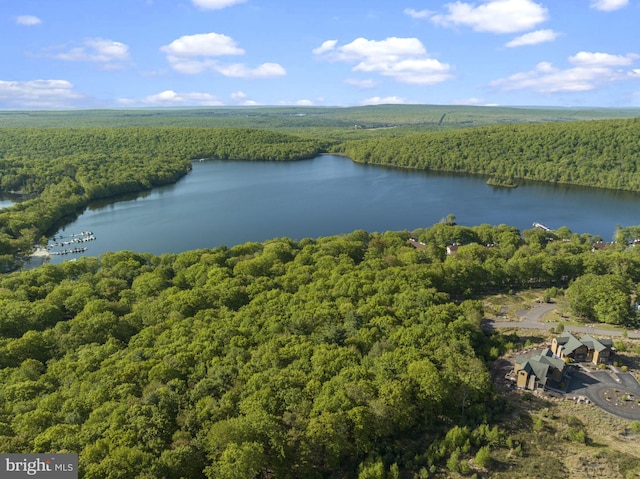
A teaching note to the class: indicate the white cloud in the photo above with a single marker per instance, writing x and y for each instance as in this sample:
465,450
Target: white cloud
533,38
191,54
304,103
28,20
376,100
216,4
325,47
601,59
203,44
392,49
170,97
494,16
403,59
241,98
609,5
109,53
239,70
589,71
360,83
38,94
419,14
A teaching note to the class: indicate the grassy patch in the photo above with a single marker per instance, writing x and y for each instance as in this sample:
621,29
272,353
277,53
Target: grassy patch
560,437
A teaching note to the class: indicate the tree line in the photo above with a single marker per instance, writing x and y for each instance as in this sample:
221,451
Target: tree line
346,356
602,154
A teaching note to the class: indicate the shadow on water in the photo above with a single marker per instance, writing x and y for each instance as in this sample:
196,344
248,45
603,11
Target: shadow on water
97,204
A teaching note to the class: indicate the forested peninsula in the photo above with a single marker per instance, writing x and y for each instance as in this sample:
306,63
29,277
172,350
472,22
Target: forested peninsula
601,154
350,356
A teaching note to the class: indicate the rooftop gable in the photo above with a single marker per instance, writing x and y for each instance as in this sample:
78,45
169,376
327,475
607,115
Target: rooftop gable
540,370
551,361
595,344
572,343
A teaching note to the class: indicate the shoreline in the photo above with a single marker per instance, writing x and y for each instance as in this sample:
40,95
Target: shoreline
41,252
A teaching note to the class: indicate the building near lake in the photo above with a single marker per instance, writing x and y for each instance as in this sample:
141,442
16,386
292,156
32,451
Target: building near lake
539,371
547,369
586,348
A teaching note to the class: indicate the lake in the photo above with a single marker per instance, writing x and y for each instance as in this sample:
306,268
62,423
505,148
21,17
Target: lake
232,202
5,201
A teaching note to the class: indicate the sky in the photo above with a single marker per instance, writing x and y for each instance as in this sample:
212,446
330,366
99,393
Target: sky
68,54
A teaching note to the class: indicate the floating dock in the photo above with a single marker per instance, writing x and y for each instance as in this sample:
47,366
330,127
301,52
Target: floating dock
65,241
542,227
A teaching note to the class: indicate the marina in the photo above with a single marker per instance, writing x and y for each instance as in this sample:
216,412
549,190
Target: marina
75,239
61,241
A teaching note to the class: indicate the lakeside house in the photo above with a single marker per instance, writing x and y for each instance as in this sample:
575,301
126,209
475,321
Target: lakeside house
416,244
452,249
586,348
548,368
539,371
601,246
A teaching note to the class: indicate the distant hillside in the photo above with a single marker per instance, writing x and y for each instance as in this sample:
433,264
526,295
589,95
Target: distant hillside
333,121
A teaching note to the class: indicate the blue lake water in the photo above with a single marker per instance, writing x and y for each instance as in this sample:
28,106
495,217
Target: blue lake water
225,202
5,203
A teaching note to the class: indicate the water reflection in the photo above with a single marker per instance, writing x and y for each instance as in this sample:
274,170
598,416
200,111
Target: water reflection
233,202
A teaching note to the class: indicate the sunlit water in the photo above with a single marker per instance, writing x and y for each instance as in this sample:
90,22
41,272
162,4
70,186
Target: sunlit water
225,202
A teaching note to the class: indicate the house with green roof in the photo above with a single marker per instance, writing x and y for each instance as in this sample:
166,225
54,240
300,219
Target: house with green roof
539,371
568,346
599,350
586,348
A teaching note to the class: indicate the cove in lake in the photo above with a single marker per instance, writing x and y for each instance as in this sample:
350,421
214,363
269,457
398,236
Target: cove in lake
232,202
6,201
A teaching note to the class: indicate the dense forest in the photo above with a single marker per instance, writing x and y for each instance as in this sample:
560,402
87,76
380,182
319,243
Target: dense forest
57,172
602,154
350,356
358,356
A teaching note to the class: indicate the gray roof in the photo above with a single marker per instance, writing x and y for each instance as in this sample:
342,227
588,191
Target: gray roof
571,343
539,364
595,344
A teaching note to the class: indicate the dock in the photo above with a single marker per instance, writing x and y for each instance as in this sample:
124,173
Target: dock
542,227
68,244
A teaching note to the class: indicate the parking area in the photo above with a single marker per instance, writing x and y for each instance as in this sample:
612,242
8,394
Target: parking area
617,393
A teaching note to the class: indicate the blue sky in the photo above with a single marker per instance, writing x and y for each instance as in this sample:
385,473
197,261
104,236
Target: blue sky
158,53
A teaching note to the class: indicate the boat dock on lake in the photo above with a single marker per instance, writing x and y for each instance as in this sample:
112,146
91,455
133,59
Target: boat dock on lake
542,227
60,241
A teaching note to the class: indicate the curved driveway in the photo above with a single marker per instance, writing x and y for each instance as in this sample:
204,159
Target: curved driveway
531,320
582,383
627,383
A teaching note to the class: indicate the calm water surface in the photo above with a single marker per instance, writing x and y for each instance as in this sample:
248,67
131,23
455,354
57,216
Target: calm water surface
5,202
233,202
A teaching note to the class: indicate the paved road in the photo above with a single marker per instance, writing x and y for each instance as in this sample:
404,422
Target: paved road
626,383
531,320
